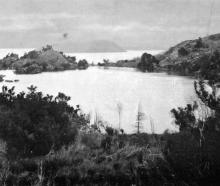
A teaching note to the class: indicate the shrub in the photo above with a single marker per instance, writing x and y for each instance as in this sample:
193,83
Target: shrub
83,64
199,43
147,63
184,117
31,124
91,139
33,54
182,52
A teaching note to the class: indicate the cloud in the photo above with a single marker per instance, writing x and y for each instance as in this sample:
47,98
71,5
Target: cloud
17,25
130,22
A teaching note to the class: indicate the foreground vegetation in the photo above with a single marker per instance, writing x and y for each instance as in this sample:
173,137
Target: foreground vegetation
45,141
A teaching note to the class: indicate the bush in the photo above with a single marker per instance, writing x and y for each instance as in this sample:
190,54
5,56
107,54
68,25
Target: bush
199,43
32,124
182,52
184,117
33,54
83,64
147,63
91,139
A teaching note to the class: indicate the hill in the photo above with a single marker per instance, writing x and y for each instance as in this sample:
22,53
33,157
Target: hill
188,57
89,46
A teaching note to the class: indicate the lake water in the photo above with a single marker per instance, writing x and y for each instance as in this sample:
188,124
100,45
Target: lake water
99,90
91,57
112,56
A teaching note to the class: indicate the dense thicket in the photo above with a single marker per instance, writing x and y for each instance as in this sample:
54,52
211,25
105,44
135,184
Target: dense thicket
33,124
147,63
207,66
194,151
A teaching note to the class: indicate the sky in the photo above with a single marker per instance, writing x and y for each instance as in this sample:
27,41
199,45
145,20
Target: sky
132,24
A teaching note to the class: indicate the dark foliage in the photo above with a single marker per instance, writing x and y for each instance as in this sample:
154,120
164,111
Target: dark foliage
108,141
184,117
147,63
83,64
182,52
32,124
210,67
199,43
33,54
8,60
191,163
194,151
48,47
206,66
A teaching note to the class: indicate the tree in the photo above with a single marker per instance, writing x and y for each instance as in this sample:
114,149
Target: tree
184,117
119,109
33,54
210,67
147,63
48,47
140,118
199,43
83,64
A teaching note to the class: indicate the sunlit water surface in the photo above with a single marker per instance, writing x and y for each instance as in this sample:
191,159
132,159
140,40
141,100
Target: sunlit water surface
99,90
90,57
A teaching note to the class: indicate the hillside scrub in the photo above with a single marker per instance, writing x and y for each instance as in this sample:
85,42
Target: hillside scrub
198,58
45,60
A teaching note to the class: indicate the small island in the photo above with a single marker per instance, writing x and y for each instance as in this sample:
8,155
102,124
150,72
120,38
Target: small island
45,60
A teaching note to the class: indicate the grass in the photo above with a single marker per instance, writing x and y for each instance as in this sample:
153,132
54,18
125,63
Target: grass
136,159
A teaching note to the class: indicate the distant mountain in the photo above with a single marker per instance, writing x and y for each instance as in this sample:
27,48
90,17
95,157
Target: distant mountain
104,46
92,46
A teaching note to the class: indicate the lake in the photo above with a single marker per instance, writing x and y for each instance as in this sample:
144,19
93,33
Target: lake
99,90
90,57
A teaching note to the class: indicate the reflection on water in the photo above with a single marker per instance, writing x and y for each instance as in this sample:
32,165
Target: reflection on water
100,90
